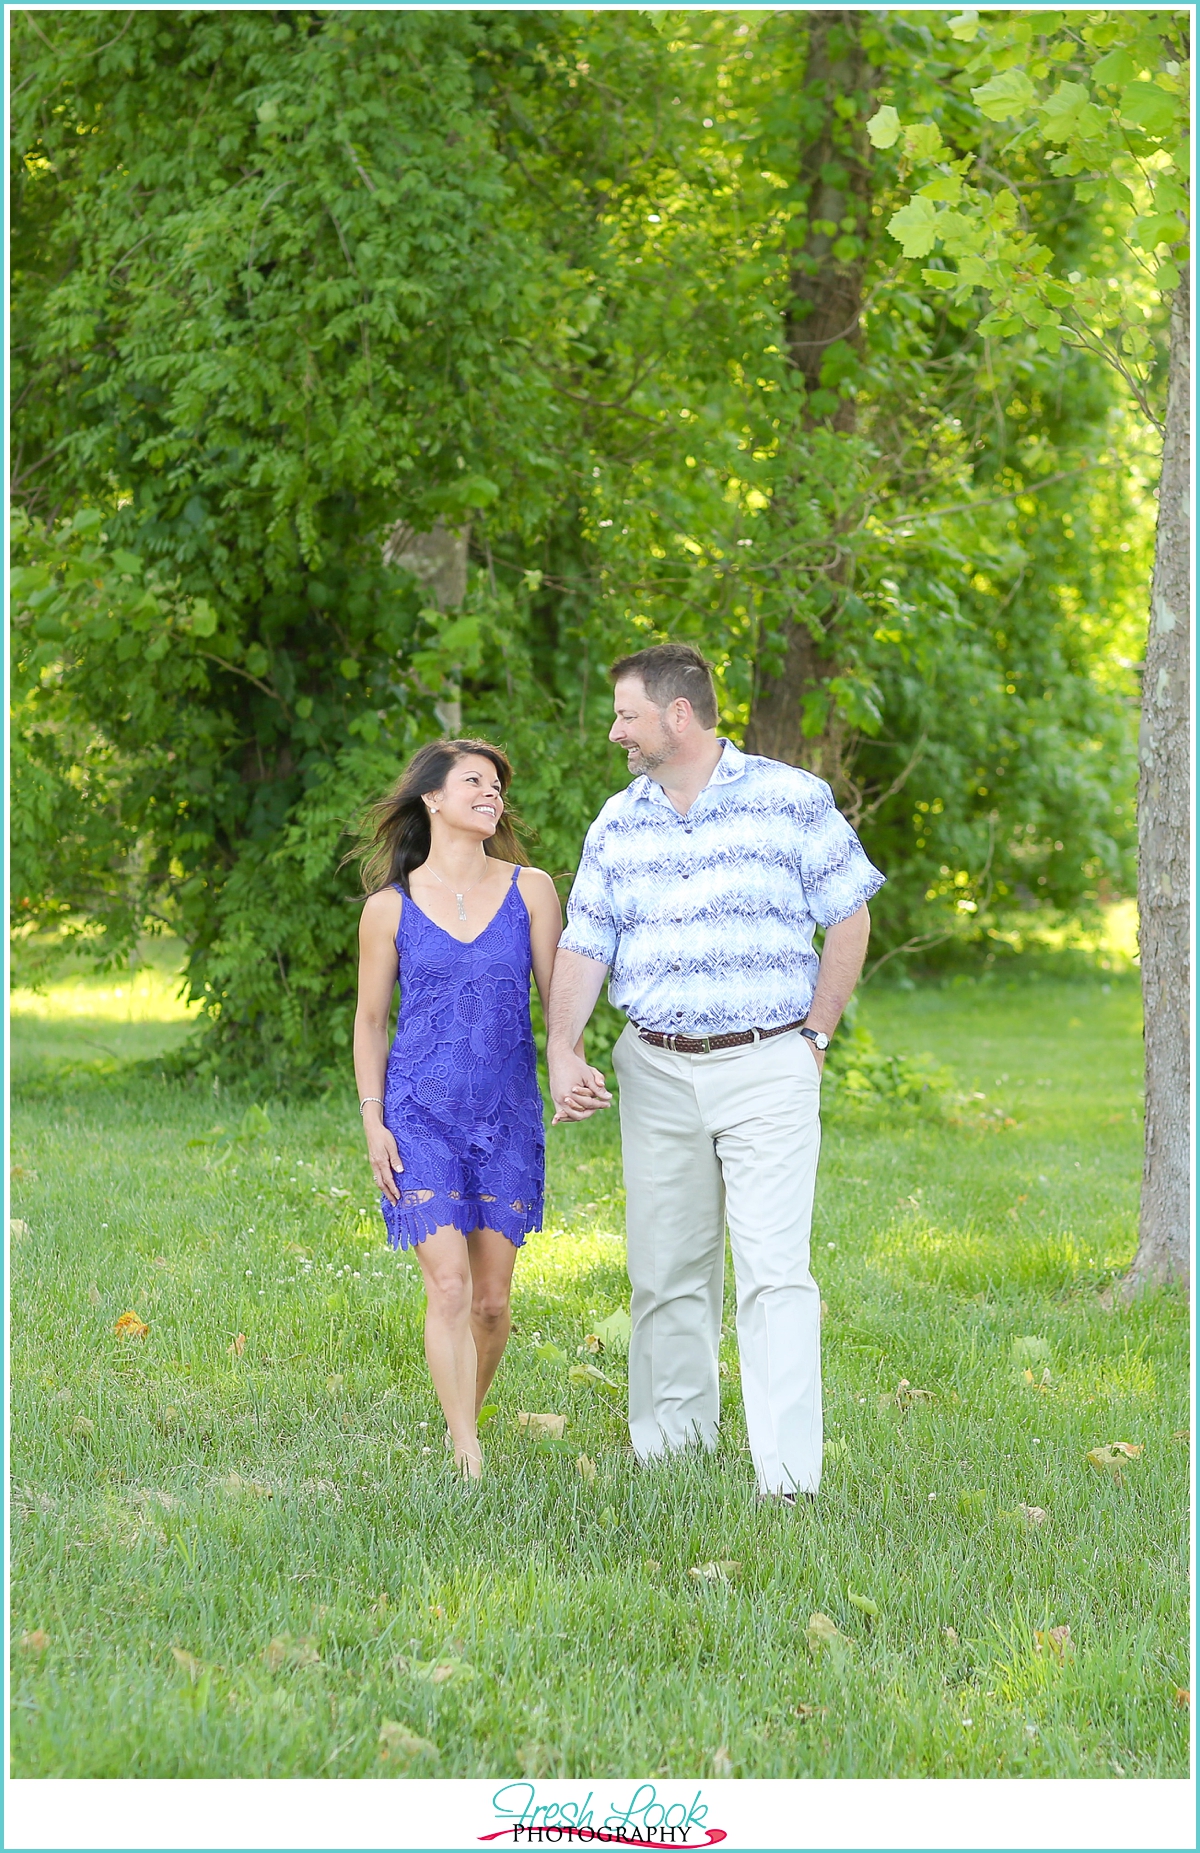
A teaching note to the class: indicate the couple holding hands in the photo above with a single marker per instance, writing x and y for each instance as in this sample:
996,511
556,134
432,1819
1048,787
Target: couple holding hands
698,893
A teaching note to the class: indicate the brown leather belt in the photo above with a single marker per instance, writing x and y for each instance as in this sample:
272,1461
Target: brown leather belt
704,1045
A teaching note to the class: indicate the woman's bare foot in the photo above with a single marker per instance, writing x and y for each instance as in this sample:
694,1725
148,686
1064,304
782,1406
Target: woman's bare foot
468,1463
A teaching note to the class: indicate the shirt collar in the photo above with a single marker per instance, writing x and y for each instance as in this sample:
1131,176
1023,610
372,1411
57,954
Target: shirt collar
731,765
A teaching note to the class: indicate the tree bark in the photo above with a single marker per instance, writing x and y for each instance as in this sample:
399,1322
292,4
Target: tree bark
1164,861
827,301
439,560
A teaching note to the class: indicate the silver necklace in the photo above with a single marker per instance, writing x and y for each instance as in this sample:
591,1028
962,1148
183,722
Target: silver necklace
460,898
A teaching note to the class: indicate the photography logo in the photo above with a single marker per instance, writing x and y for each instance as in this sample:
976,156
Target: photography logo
644,1820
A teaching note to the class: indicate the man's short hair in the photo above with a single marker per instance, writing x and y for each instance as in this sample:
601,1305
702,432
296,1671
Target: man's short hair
670,672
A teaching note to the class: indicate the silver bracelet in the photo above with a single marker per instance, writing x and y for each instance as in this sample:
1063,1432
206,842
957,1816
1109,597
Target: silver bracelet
374,1097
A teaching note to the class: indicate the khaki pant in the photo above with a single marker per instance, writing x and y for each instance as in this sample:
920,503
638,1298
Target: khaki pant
732,1135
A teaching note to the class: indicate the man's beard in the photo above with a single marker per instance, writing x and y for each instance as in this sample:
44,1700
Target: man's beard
642,761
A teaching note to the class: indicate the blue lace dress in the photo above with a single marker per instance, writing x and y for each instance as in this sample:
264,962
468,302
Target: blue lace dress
461,1095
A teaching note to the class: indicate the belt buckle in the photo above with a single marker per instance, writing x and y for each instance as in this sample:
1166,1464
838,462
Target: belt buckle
669,1043
705,1044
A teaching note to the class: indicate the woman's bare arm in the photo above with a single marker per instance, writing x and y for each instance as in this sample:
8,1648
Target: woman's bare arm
376,985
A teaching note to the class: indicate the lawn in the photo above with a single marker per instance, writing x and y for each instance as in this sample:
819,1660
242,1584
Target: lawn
238,1549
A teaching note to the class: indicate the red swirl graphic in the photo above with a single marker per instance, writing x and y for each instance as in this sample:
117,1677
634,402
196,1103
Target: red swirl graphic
605,1835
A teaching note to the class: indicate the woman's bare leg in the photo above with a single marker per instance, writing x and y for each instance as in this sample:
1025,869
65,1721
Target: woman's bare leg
492,1259
449,1343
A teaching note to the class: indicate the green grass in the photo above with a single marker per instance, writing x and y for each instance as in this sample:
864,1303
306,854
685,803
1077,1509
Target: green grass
580,1642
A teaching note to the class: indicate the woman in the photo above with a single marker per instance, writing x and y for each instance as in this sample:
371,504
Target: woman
453,1113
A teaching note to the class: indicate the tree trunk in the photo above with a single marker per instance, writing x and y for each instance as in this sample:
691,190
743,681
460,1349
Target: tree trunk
827,300
439,560
1163,848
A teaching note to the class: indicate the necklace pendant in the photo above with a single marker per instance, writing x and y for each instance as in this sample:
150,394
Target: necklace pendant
462,912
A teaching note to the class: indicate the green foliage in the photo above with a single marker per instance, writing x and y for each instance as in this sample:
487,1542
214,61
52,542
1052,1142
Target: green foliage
1101,100
534,272
861,1078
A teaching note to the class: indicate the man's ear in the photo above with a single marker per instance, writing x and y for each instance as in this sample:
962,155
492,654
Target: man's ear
681,709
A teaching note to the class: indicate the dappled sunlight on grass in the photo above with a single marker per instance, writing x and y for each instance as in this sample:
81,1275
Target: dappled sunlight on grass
147,995
970,1261
564,1257
101,1019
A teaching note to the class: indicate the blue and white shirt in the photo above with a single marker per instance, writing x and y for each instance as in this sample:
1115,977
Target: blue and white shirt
707,920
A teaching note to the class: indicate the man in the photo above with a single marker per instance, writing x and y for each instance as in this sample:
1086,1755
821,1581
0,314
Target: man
700,888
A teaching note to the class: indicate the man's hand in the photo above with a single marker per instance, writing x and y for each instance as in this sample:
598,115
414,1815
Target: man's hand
577,1089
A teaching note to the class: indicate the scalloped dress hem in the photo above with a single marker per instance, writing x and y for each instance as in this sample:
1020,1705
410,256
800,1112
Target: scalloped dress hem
407,1225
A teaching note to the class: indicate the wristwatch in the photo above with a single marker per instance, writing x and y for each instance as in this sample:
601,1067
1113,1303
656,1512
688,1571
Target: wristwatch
817,1037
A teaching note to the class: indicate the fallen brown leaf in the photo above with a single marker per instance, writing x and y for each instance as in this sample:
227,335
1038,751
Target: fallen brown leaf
809,1711
586,1468
234,1483
397,1742
130,1326
83,1425
821,1632
18,1229
541,1424
1033,1515
722,1764
35,1641
587,1373
1182,1695
238,1346
188,1662
723,1572
284,1651
1110,1459
951,1635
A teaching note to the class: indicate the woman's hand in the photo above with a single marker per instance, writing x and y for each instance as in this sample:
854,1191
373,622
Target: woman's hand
577,1089
384,1155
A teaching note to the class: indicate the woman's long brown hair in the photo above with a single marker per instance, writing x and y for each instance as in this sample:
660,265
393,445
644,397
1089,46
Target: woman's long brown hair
398,826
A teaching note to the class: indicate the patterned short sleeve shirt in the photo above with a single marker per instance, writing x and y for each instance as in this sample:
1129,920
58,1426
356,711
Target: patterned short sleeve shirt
707,920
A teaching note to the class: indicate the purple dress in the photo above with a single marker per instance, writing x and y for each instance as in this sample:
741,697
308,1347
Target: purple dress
461,1095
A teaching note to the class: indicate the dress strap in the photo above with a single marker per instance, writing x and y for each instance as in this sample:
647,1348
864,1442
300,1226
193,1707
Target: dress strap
515,873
